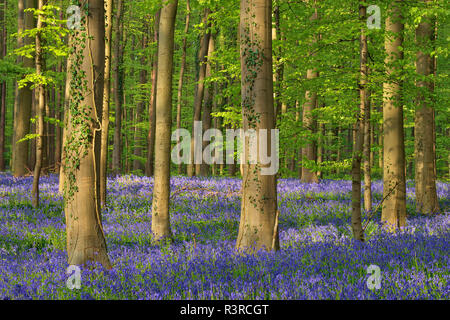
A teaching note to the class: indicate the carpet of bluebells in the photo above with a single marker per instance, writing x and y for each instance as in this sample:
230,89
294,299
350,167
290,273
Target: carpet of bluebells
318,258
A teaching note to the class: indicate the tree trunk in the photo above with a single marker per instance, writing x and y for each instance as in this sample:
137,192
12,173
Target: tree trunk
161,190
367,155
193,167
209,96
85,237
278,77
182,69
24,96
3,92
425,177
137,151
358,232
118,90
308,153
109,4
39,56
380,144
59,114
62,169
150,165
259,219
394,185
32,150
320,149
58,129
50,129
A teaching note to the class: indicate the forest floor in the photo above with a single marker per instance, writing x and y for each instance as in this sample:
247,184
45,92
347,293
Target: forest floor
318,258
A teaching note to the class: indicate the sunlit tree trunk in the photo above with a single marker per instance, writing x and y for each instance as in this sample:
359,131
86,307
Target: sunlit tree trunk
425,176
394,184
24,96
367,163
194,169
161,189
3,92
279,70
358,232
150,164
208,103
118,89
85,237
380,144
39,56
320,148
137,150
182,70
106,98
66,118
258,223
308,121
59,117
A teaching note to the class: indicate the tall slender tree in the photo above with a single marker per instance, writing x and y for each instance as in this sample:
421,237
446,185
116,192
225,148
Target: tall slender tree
394,183
161,189
308,120
259,219
194,168
359,131
3,92
150,164
40,128
425,177
367,153
182,70
85,237
24,96
106,98
118,88
137,150
208,104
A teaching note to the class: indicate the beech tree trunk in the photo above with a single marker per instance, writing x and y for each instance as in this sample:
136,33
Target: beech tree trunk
259,219
85,237
209,96
161,189
308,153
137,150
24,96
3,92
62,177
150,165
278,76
59,114
118,89
320,149
394,184
58,129
193,168
40,110
425,174
367,163
106,97
358,232
182,69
